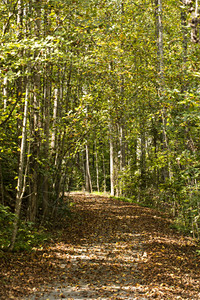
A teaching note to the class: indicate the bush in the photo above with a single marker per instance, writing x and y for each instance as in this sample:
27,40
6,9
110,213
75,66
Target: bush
6,226
28,236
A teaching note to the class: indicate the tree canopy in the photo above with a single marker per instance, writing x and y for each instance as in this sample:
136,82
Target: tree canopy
99,95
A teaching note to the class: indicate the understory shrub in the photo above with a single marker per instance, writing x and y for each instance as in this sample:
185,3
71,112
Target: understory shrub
28,236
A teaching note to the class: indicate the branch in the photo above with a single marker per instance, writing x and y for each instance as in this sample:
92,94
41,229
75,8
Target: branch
10,114
8,21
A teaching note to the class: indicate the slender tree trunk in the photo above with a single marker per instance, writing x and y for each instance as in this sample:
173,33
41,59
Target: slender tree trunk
88,176
20,187
160,45
6,26
143,158
5,94
112,191
184,35
161,87
83,170
194,24
33,199
104,174
1,185
21,182
122,148
35,182
46,117
97,166
19,18
185,50
19,36
122,120
55,110
122,156
155,142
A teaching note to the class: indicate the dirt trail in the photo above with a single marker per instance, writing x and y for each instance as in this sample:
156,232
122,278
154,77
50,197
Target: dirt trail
111,250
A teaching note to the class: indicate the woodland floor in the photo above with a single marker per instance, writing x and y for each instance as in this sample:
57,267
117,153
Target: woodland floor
110,250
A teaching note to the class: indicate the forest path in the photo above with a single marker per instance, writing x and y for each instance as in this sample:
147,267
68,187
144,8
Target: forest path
111,250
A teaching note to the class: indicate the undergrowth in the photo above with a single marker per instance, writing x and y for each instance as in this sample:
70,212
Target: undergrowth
28,235
184,223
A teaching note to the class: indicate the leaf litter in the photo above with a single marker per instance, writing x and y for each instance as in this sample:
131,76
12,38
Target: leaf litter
109,250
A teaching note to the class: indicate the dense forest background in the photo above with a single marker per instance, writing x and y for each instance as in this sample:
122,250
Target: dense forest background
98,95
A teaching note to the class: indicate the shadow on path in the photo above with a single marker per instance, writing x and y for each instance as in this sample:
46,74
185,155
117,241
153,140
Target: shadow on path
111,250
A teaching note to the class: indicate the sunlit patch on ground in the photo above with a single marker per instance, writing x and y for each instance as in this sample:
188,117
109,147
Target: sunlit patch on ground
111,250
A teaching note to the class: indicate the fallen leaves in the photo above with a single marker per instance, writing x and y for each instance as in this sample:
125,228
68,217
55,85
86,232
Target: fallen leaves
111,250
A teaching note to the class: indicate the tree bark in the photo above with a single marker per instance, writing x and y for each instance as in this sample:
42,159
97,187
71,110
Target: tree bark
5,94
161,85
88,176
112,191
21,182
46,119
104,174
2,186
55,109
143,158
97,166
33,199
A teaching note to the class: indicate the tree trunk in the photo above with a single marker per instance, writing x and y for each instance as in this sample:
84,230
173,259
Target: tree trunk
46,115
83,170
19,18
104,175
1,186
112,191
55,109
185,50
122,156
143,158
97,166
46,118
88,176
159,31
194,24
161,86
5,94
21,182
33,199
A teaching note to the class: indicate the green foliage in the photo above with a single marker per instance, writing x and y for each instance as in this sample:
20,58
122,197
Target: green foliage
28,235
6,226
124,199
89,71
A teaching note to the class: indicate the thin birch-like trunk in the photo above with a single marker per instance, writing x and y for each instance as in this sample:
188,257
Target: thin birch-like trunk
104,174
112,191
55,109
5,94
122,121
20,188
21,182
88,176
122,156
47,93
2,185
194,24
46,115
97,166
161,87
35,180
143,158
84,171
184,49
